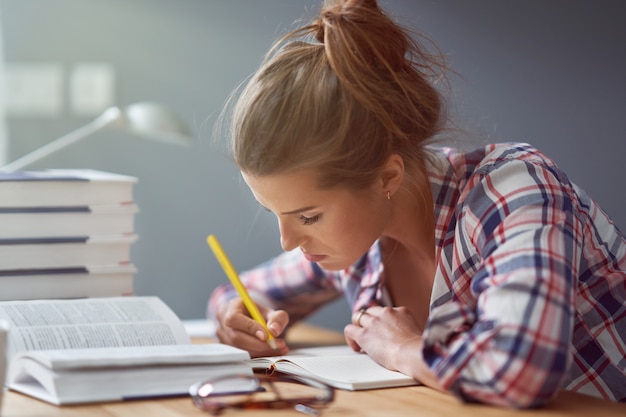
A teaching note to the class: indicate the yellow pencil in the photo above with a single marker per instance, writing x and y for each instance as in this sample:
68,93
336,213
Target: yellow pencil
234,279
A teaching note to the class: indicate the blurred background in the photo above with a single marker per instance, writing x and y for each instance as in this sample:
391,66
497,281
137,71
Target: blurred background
546,72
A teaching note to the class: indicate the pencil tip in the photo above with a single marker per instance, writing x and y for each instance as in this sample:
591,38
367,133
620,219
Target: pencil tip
272,343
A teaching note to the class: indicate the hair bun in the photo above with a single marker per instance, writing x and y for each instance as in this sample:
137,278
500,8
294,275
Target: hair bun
334,11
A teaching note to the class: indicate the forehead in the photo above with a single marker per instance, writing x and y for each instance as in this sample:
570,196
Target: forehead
269,188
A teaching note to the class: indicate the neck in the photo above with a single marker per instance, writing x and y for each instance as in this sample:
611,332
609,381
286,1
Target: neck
412,224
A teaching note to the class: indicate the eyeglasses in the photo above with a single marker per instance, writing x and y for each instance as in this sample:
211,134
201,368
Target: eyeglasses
250,392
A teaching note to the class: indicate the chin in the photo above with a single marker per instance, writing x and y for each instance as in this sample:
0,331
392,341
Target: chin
340,263
331,266
334,265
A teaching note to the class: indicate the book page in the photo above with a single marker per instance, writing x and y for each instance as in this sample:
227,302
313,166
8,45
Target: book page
136,356
91,323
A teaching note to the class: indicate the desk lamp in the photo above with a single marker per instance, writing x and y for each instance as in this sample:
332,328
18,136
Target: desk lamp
144,119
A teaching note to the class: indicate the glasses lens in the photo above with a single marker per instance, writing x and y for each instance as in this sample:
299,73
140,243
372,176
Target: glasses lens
260,391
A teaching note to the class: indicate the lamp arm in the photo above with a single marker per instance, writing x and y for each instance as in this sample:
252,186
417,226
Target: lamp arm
108,117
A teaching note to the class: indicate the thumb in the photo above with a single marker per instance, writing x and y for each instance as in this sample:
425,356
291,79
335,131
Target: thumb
277,321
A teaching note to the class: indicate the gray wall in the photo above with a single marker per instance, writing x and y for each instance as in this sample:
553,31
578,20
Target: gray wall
547,72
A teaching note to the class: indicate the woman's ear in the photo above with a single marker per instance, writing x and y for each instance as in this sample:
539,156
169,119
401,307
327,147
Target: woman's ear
392,175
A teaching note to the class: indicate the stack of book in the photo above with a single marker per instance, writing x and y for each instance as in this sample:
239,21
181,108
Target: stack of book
66,234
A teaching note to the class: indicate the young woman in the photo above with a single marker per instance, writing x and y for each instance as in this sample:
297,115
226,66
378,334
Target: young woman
485,273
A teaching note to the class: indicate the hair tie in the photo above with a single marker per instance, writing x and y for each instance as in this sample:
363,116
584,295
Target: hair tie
318,26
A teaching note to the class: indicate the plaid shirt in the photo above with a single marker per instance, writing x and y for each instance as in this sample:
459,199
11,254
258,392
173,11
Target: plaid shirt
529,295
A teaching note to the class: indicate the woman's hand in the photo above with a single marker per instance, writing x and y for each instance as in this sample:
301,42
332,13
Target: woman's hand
238,329
392,337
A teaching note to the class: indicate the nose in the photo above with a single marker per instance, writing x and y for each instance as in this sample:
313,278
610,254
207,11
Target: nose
289,238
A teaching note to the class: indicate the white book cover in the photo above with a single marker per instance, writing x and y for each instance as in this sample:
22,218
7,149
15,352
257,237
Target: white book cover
66,221
77,282
64,187
32,253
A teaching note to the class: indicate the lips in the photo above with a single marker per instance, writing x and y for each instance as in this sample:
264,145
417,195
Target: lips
314,258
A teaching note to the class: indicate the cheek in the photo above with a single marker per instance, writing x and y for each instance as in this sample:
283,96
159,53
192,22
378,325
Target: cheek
357,231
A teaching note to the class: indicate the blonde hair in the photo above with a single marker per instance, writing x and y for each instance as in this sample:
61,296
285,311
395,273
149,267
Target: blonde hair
339,95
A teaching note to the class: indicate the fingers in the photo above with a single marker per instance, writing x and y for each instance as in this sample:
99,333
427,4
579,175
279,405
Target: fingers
353,344
238,329
356,317
366,316
354,331
277,321
367,321
250,343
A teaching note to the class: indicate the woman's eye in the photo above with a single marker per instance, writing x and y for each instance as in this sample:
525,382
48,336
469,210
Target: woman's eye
309,220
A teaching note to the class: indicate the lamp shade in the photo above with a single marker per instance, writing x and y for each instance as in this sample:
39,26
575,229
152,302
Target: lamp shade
154,121
144,119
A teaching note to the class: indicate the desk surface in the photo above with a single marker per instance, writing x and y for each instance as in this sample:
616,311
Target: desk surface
408,401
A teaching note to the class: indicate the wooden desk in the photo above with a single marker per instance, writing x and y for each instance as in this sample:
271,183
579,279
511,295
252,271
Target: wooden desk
408,401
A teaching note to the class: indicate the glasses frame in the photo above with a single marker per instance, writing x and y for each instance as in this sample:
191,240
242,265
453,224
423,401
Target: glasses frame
307,405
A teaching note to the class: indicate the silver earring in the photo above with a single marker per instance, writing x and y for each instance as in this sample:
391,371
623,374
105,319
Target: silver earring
388,195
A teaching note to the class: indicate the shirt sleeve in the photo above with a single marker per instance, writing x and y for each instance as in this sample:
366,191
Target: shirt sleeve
287,282
512,346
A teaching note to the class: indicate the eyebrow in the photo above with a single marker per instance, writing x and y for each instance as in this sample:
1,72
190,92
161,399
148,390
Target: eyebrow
300,210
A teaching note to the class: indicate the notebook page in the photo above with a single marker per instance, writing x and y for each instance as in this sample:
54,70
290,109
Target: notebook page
349,370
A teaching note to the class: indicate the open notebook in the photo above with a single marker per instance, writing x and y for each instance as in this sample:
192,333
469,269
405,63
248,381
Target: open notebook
337,366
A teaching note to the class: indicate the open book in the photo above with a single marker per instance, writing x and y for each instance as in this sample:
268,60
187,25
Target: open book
337,366
107,349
